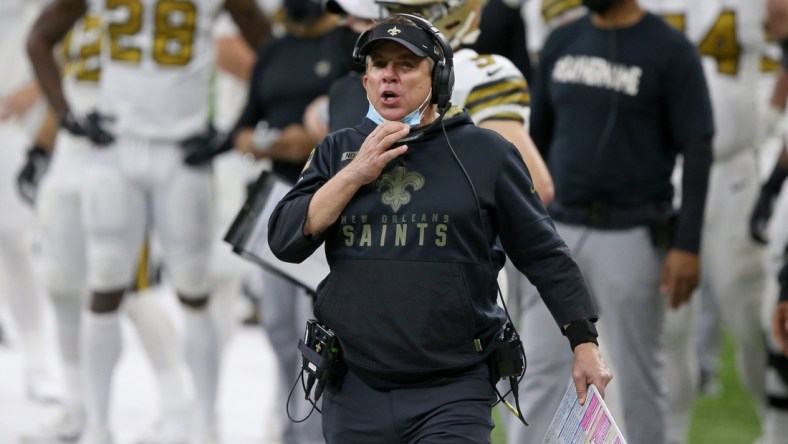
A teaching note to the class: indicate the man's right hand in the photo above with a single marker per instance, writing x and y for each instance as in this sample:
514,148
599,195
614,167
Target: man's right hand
376,152
90,126
589,368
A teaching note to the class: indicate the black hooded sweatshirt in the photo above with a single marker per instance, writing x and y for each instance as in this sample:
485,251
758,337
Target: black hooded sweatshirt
414,256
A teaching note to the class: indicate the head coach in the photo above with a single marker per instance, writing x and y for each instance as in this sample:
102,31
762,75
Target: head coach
409,204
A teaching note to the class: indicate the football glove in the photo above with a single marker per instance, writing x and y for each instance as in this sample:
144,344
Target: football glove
91,126
32,171
765,204
202,148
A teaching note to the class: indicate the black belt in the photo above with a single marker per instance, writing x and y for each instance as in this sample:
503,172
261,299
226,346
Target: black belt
604,215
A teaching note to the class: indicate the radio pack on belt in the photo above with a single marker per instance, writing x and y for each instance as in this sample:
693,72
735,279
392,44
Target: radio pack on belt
321,358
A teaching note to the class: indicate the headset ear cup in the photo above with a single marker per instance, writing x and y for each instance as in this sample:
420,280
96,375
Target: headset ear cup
449,84
442,84
360,41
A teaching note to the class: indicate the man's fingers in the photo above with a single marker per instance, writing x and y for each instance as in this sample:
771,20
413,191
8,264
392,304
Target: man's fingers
582,390
391,137
601,389
393,153
384,135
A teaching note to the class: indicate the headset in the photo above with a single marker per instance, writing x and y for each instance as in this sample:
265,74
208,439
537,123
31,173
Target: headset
442,72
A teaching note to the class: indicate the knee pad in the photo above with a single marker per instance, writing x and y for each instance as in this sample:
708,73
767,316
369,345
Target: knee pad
190,275
64,280
110,269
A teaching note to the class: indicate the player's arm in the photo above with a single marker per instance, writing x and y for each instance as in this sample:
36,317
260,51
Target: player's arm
234,56
514,132
776,22
54,22
251,21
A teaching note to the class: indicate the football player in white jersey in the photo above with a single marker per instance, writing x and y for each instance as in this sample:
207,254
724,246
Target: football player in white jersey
19,121
731,38
155,90
59,207
490,86
542,16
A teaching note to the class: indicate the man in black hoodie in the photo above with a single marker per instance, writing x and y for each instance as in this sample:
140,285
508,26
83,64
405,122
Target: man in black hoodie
410,204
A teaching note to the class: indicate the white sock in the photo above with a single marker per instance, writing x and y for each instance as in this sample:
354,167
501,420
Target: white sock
25,297
101,347
202,356
68,310
225,294
157,334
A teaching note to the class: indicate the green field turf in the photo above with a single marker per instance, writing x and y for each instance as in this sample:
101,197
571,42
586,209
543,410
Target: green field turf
729,417
725,418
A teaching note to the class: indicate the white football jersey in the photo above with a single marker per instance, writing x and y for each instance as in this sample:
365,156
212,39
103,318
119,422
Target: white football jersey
157,65
489,86
737,61
81,51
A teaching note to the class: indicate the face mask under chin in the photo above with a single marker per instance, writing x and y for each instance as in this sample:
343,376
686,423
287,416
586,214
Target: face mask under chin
412,119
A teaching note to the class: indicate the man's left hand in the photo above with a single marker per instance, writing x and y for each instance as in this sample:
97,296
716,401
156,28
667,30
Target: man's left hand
589,368
680,276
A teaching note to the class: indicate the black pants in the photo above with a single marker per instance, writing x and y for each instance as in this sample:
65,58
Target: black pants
452,410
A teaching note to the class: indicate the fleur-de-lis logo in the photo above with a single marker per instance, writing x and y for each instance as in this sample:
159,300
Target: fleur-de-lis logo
393,31
396,184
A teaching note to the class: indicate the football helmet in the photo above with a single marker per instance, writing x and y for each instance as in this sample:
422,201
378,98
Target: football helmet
458,20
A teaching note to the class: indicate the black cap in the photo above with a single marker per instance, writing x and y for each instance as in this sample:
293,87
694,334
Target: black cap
409,36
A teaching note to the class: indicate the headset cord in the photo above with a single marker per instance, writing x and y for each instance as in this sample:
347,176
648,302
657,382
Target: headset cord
513,381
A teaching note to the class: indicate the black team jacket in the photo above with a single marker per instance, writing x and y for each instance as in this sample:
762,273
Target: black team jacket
412,290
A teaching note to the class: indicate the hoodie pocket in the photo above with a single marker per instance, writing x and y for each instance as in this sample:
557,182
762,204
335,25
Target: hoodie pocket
398,315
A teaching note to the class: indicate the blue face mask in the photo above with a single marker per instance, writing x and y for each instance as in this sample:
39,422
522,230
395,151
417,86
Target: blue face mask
411,119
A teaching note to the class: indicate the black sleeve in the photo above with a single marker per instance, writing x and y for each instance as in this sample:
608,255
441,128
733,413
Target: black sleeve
686,97
541,120
535,247
253,110
695,181
286,227
691,125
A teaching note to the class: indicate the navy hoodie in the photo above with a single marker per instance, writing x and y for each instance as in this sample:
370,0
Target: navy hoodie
414,255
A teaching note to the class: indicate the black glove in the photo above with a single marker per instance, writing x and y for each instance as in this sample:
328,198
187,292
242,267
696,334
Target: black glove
765,204
30,175
90,127
201,149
